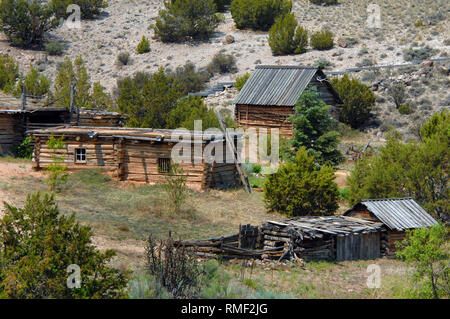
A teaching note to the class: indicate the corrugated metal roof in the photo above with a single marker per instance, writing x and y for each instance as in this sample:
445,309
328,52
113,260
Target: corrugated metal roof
275,85
399,213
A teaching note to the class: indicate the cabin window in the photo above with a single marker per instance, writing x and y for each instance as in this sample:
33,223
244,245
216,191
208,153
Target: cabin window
80,155
163,165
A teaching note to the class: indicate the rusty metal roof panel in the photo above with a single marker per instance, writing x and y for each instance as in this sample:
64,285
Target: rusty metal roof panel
275,85
399,213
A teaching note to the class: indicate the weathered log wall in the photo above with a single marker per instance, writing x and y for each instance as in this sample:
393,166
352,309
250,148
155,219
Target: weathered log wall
265,117
98,153
11,132
138,162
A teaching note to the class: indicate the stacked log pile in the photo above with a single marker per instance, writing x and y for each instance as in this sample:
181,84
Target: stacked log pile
226,247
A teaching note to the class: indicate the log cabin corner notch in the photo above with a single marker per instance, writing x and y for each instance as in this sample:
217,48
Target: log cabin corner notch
270,94
137,154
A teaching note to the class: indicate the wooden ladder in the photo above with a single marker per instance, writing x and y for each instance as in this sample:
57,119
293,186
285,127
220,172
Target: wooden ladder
230,143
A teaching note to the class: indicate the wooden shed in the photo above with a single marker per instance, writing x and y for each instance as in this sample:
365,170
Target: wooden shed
138,154
396,214
14,123
270,94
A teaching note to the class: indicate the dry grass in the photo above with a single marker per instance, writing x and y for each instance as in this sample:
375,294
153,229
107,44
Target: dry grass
323,279
122,216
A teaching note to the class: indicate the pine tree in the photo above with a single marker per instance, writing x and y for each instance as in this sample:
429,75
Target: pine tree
313,128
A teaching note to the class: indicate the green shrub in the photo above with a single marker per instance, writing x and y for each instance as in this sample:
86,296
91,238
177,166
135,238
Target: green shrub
35,84
184,19
256,169
418,23
343,193
190,109
25,22
419,54
123,58
301,40
175,187
37,244
427,250
88,8
357,100
301,188
189,79
397,93
222,63
9,72
241,80
56,170
54,48
145,286
143,46
415,169
322,40
405,109
25,149
323,63
258,14
283,37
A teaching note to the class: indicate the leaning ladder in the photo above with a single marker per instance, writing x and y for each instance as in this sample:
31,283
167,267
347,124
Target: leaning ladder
242,175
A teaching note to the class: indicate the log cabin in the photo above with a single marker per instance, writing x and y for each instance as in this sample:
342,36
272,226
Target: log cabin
142,155
397,216
270,94
14,123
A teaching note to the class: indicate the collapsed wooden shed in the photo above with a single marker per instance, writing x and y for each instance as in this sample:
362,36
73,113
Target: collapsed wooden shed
140,154
396,214
310,238
270,94
369,230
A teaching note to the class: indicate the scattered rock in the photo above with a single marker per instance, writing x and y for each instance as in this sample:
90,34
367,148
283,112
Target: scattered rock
342,42
427,64
228,39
